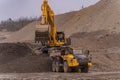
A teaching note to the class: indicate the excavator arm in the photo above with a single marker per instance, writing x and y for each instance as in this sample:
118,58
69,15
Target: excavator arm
48,19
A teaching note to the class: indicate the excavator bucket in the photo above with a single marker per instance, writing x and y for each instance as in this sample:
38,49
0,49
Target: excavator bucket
42,33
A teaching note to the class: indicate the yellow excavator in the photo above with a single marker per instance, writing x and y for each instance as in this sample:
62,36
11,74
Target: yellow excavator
46,32
56,44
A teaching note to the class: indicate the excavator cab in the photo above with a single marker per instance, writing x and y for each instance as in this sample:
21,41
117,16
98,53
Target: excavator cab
60,36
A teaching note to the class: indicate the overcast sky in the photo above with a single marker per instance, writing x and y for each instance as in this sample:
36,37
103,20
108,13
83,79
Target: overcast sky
32,8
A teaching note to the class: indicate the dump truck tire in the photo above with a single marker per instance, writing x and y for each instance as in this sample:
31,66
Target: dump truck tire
53,66
85,69
66,67
57,66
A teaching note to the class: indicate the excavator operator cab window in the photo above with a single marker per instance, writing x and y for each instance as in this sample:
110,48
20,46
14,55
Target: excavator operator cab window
60,36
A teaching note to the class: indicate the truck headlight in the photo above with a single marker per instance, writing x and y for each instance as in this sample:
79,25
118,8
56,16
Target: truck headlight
89,64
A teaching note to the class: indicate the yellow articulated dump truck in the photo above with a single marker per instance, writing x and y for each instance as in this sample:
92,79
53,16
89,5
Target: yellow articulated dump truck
64,58
68,59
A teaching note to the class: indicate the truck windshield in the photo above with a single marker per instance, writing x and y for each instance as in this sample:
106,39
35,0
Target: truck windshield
77,52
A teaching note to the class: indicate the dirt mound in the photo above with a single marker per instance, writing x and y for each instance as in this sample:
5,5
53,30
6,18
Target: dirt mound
104,47
18,58
25,34
102,16
4,35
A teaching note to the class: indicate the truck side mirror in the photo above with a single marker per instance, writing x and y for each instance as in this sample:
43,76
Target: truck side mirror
86,53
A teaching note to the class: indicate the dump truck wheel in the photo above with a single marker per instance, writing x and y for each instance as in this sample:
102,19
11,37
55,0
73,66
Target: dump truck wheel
85,70
57,66
53,66
75,69
66,67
